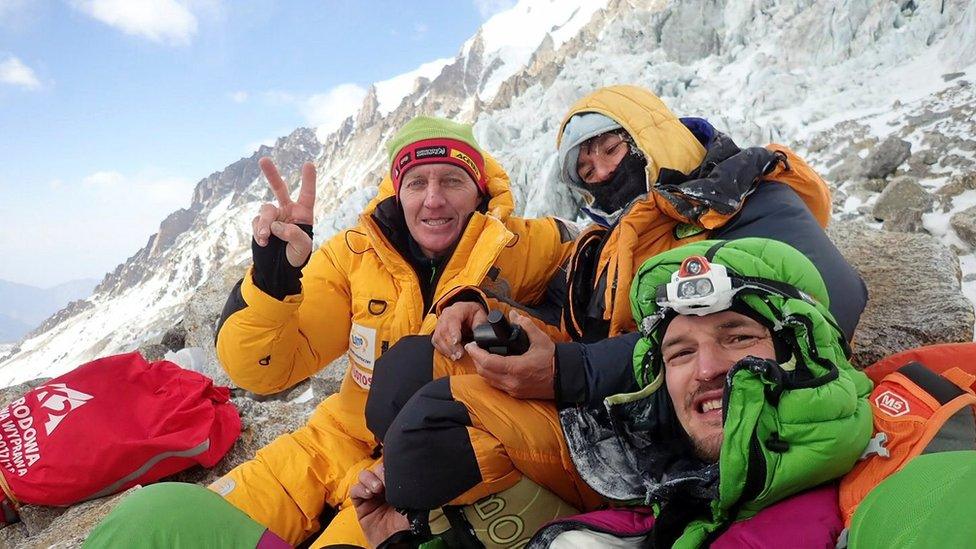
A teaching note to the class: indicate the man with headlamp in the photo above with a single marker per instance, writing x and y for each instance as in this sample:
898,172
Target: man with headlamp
745,402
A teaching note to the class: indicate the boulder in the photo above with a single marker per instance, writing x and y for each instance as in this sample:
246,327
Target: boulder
200,318
903,193
884,159
964,223
59,528
908,220
914,291
153,351
175,338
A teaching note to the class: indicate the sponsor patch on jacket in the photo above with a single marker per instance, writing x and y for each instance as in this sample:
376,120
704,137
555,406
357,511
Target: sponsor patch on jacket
362,354
223,486
686,230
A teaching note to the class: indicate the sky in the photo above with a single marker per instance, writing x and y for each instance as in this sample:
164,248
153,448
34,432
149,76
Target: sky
112,110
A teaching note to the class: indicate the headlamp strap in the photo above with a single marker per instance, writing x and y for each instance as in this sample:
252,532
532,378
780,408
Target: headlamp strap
787,290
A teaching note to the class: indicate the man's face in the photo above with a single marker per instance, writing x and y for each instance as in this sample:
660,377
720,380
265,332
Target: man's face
600,156
698,351
437,200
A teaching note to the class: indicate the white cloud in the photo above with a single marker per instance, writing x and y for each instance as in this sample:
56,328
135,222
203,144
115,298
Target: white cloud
238,96
162,21
14,72
326,111
152,191
487,8
103,180
322,111
420,29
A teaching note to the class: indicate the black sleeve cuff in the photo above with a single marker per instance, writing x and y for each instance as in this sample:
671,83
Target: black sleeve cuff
570,375
587,373
465,295
273,274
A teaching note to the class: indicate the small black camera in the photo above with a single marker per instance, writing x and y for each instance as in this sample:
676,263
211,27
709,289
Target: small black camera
499,337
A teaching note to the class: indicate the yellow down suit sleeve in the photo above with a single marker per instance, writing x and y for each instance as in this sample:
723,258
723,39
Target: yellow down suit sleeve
271,345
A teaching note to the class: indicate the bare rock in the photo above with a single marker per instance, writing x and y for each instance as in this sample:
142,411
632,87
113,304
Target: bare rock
15,535
908,220
875,185
67,527
848,169
914,292
957,185
964,223
901,194
12,393
175,338
201,315
153,351
884,159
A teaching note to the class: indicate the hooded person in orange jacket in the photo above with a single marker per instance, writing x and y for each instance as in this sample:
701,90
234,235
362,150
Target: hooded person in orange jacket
441,221
651,182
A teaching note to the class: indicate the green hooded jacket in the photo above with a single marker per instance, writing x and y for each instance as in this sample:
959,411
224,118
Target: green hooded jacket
790,424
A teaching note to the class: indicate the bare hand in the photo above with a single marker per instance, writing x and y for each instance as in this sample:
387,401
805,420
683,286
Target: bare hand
453,323
525,376
378,519
282,220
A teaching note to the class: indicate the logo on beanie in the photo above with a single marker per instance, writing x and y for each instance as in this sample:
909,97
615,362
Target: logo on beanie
467,160
430,151
404,160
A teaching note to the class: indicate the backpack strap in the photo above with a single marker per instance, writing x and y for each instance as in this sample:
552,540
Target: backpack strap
932,383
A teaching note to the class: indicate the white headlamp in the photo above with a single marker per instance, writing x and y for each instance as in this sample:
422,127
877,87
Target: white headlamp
697,288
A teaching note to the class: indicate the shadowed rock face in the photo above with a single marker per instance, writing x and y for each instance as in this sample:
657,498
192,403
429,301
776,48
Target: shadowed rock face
964,224
886,157
903,193
914,291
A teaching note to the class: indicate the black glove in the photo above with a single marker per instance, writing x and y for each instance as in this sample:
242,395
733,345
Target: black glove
273,274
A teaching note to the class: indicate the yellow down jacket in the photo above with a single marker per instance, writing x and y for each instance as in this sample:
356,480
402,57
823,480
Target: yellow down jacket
656,223
359,296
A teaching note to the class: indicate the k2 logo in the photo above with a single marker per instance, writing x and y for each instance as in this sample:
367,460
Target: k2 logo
59,398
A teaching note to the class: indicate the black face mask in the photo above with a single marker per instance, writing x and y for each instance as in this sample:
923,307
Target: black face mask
627,183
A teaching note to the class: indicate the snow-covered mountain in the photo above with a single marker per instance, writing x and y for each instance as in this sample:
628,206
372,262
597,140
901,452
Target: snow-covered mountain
830,78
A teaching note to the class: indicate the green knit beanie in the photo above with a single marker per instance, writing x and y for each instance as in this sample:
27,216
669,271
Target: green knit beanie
430,140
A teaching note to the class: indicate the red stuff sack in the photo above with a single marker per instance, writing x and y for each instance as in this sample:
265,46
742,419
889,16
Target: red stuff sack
108,425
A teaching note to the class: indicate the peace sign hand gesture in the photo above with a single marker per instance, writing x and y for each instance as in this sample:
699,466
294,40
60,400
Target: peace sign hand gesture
282,220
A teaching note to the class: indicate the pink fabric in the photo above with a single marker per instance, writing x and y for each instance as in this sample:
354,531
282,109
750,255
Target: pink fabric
808,519
269,540
622,522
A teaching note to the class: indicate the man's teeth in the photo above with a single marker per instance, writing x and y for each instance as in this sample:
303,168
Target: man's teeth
436,222
710,405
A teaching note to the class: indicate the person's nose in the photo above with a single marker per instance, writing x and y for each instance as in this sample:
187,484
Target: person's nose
713,362
434,198
603,168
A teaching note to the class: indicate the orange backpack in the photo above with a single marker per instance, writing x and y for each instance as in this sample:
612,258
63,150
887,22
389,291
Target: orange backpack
923,402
